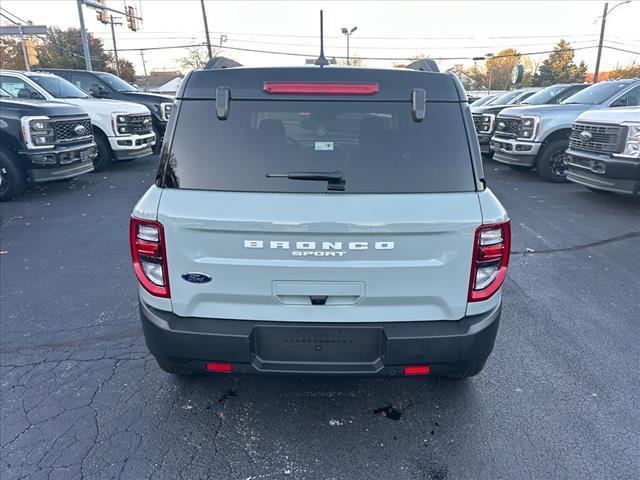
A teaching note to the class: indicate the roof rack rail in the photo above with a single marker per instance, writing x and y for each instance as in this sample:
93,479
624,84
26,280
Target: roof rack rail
424,65
221,62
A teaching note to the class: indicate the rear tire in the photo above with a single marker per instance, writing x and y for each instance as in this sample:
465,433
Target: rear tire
13,178
103,160
520,168
472,372
181,372
552,165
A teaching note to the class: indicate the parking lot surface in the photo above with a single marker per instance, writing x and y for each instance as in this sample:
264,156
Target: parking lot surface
82,398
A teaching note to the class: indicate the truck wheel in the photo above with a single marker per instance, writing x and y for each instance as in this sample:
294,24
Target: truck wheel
472,372
552,164
13,178
182,372
103,160
520,168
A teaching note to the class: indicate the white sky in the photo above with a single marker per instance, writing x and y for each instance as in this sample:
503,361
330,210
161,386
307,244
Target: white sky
385,29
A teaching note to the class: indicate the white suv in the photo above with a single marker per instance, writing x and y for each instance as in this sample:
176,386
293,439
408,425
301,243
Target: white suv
122,130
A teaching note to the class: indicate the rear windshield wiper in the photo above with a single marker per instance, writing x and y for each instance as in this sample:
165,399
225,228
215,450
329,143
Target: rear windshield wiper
335,180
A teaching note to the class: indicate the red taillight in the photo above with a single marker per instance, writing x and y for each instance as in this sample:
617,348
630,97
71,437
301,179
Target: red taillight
219,367
417,370
310,88
491,247
149,256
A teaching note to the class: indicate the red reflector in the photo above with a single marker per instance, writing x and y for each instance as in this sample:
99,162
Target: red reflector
219,367
321,88
417,370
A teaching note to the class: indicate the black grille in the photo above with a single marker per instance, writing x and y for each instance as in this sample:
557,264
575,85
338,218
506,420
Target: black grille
138,124
507,127
598,138
66,130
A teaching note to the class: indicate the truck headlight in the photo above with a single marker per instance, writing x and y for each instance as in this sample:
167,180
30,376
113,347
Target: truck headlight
632,145
528,127
119,123
487,121
38,132
164,109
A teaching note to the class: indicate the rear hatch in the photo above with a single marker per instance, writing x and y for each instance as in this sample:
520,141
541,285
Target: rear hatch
314,209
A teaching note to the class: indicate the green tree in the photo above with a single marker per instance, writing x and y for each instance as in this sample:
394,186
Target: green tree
559,67
63,49
630,71
11,54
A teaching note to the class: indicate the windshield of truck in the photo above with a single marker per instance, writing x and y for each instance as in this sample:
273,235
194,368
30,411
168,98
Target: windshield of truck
545,95
506,98
58,87
376,147
597,94
116,83
482,101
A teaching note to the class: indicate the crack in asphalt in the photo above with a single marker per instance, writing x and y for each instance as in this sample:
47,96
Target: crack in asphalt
584,246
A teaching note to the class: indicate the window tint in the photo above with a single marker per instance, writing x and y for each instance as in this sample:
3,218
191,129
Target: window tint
597,94
506,98
116,83
58,87
376,145
629,99
18,88
83,81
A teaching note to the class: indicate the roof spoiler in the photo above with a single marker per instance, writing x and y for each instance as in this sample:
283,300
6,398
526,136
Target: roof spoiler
424,65
217,63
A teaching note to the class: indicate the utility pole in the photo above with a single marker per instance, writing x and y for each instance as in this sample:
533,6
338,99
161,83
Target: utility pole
605,12
19,30
115,48
85,40
144,69
27,67
206,28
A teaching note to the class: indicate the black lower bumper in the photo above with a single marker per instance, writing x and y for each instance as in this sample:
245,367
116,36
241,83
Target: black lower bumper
604,172
353,349
61,163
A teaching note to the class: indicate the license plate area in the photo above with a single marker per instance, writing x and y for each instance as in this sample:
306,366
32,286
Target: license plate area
318,349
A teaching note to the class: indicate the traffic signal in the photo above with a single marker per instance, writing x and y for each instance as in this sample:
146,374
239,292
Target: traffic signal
102,15
132,21
32,52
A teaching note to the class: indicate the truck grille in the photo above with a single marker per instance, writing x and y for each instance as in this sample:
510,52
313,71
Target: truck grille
597,138
138,124
72,130
507,127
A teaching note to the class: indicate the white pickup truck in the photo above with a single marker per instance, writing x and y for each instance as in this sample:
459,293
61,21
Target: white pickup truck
122,130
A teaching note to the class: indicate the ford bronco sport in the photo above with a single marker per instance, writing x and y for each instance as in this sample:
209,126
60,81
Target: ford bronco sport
318,221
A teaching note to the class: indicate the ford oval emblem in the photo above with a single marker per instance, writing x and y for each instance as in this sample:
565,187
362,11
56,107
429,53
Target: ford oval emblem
196,277
79,130
585,136
501,125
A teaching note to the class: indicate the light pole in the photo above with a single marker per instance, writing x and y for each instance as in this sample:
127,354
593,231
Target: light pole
346,32
489,55
206,28
605,12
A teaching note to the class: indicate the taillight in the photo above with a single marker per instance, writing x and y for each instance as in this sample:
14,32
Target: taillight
491,247
311,88
149,256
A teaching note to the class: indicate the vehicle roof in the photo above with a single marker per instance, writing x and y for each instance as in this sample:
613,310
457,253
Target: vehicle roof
394,83
27,74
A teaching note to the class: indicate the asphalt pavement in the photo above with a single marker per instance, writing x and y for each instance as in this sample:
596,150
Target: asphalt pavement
82,398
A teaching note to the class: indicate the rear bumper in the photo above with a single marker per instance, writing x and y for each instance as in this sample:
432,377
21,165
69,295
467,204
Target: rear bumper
604,172
352,349
514,152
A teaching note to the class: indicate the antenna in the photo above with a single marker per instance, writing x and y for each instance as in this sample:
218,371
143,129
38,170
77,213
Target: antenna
321,60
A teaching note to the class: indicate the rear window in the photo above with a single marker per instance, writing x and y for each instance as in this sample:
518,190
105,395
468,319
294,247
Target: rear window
376,146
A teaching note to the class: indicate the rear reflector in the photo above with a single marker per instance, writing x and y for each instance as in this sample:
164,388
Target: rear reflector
321,88
219,367
417,370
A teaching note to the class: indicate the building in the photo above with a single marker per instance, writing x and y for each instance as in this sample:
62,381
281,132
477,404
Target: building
166,82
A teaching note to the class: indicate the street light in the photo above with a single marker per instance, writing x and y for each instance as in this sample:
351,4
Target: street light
347,33
596,72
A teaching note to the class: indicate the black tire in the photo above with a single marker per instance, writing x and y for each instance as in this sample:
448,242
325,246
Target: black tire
13,178
552,162
103,160
520,168
597,190
181,372
472,372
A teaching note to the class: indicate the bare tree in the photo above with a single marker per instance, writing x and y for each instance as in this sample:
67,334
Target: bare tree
196,58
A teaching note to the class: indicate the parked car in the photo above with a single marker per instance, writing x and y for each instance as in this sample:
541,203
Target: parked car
267,247
485,115
483,100
41,141
604,150
530,137
122,130
107,85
